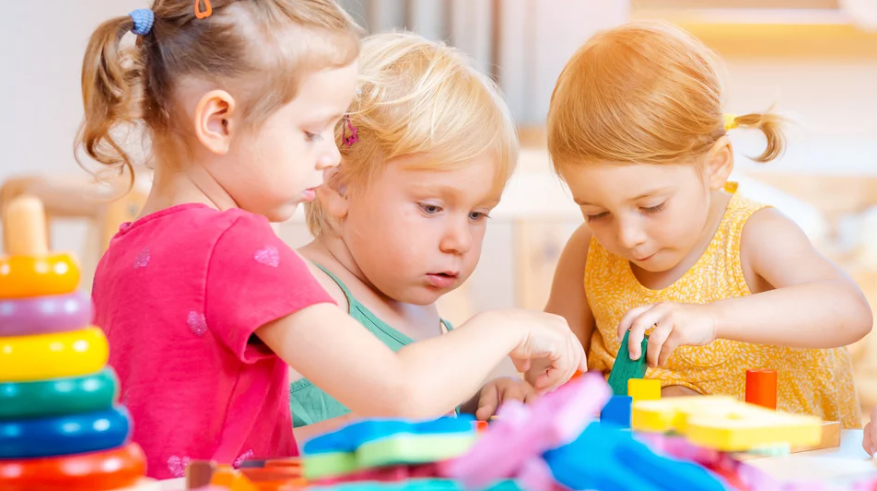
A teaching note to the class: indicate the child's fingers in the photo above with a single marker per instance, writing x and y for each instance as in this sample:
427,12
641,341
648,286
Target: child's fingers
488,403
522,365
867,443
629,317
638,330
657,340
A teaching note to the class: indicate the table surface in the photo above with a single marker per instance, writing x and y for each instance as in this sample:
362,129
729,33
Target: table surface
845,464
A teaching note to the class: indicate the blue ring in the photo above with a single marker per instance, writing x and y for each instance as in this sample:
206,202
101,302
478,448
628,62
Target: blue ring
64,435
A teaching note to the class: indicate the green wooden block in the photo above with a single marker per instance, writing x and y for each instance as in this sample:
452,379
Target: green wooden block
625,369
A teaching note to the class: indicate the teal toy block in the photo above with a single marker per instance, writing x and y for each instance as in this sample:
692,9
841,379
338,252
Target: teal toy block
625,369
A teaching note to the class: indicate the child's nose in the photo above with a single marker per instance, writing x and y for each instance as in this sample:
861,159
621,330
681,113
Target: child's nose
330,158
457,239
630,234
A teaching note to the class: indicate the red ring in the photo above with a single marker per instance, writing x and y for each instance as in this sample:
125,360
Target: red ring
97,471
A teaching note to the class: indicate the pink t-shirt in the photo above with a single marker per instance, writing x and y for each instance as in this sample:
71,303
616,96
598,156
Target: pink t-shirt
179,294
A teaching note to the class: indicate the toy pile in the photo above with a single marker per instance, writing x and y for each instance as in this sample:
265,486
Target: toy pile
60,427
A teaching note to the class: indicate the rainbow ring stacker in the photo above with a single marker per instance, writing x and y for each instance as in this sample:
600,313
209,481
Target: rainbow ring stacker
70,395
98,471
38,275
64,435
44,315
49,356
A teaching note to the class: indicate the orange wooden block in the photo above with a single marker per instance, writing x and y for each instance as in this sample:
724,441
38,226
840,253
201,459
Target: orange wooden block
761,387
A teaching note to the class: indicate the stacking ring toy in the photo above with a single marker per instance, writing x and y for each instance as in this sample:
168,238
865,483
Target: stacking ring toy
111,469
92,392
64,435
45,315
49,356
35,276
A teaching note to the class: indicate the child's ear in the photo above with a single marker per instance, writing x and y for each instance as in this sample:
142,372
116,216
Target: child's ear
333,193
720,163
215,121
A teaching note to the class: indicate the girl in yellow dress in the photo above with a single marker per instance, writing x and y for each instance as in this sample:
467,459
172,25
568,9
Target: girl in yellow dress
720,283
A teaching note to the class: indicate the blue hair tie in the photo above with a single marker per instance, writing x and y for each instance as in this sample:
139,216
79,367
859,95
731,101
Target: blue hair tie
143,20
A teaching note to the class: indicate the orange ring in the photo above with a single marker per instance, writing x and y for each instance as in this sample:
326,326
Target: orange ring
36,276
208,9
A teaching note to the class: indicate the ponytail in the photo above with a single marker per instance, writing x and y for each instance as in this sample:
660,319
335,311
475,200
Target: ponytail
771,125
110,82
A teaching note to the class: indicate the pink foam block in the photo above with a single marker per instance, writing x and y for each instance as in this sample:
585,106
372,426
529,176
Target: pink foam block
522,433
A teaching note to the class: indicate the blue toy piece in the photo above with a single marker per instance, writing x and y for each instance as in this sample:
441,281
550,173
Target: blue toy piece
617,411
64,435
378,443
607,459
413,485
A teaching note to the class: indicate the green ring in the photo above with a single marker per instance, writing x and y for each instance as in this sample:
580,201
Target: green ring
69,395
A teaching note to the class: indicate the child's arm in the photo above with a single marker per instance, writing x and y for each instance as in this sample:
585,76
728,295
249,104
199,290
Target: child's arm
800,300
371,380
567,298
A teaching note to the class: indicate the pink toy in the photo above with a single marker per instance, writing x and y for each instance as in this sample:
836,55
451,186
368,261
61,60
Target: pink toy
521,434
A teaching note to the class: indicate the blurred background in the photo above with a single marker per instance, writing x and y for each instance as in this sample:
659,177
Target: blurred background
815,59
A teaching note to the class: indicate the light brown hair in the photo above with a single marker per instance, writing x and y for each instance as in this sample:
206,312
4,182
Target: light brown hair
419,97
258,50
645,92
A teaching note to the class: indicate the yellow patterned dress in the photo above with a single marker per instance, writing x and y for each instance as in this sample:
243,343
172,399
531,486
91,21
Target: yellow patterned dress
810,381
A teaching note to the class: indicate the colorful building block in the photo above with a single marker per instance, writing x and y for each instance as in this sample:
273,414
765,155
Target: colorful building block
641,389
724,423
617,411
761,388
378,443
610,460
625,369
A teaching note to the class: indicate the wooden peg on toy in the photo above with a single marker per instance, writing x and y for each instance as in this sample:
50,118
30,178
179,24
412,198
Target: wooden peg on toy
761,388
24,226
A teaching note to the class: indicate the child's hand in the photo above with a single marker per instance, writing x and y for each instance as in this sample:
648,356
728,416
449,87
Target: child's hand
546,337
496,392
675,324
870,439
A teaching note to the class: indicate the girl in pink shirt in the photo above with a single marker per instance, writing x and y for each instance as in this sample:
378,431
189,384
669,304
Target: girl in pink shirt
203,305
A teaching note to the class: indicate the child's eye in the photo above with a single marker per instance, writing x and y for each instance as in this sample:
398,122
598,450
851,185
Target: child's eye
477,216
654,209
598,216
429,209
313,137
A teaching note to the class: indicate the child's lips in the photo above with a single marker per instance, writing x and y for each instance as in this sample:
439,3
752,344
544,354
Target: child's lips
309,194
442,280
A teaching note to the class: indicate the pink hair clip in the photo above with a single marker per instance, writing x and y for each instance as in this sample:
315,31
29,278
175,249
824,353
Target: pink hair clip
353,138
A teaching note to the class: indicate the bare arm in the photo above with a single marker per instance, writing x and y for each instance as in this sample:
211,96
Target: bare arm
371,380
800,298
568,298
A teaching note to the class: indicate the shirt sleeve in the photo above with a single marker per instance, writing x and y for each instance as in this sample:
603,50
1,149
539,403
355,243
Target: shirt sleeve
254,278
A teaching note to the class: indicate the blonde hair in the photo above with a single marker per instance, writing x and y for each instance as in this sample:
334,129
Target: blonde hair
419,97
260,49
646,92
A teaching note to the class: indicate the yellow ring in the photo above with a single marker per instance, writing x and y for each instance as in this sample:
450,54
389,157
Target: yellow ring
48,356
36,276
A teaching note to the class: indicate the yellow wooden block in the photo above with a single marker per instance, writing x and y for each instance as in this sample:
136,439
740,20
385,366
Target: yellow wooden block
640,389
724,423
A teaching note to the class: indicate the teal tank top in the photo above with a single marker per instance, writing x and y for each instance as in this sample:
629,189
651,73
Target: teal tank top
309,404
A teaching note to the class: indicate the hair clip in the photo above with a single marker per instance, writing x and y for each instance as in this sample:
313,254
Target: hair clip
353,138
730,121
207,12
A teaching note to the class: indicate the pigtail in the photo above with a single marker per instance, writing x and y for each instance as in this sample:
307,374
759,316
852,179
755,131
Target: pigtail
771,125
110,81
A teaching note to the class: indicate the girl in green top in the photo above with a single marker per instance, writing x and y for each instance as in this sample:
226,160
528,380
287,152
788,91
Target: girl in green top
426,153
